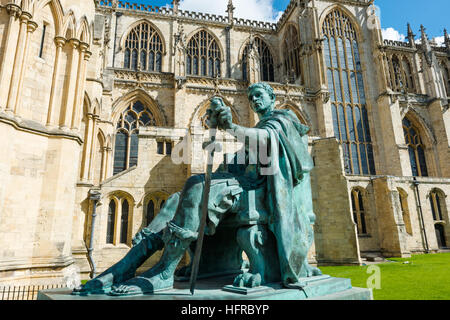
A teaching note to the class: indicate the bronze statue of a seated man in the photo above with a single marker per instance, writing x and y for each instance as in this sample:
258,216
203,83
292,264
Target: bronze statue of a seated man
281,198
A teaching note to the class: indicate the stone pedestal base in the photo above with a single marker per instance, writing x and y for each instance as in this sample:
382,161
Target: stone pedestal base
316,288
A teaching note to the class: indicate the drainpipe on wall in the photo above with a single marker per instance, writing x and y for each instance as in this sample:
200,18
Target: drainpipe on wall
95,197
422,222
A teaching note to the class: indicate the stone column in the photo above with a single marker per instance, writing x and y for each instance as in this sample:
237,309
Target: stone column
104,162
392,144
9,51
59,42
391,227
84,56
69,85
31,27
439,118
87,148
18,62
92,148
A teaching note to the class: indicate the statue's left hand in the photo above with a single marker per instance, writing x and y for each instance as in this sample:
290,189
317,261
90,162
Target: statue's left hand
225,118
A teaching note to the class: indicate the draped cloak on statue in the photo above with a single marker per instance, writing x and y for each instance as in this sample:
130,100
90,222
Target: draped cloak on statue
287,200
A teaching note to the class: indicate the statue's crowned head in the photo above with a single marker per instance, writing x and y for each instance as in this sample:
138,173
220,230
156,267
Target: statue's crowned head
261,97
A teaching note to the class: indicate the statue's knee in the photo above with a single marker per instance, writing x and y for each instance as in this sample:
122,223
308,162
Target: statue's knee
194,183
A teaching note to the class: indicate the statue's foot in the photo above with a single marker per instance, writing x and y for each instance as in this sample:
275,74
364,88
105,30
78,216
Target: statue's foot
310,271
142,285
248,280
94,286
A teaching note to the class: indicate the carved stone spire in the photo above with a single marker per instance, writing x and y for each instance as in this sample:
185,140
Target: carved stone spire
230,11
411,37
426,46
447,41
175,4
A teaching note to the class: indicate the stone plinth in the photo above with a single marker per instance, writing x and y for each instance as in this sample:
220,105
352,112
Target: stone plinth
316,288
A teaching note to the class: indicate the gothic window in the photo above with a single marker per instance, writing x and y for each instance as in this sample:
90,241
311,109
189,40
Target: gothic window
111,222
408,73
416,149
155,202
124,222
143,49
348,101
119,213
402,78
127,130
436,202
164,147
266,60
358,211
446,77
203,56
291,50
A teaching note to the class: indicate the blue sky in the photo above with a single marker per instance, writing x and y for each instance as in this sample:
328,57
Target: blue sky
433,14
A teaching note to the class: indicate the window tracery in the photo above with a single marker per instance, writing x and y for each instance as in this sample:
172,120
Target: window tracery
143,49
266,60
203,55
347,95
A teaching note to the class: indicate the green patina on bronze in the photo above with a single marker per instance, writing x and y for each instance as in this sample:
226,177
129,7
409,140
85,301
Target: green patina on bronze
264,209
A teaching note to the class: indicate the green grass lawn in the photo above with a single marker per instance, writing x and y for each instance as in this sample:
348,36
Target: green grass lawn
425,277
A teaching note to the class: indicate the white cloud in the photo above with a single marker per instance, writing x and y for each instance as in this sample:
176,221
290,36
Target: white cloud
440,41
392,34
261,10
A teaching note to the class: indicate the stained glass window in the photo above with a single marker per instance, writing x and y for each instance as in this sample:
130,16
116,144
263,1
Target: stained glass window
143,49
416,149
358,211
127,130
291,50
203,56
346,86
436,206
266,60
124,222
150,214
111,222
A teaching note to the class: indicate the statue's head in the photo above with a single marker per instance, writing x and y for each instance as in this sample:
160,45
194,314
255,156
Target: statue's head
261,98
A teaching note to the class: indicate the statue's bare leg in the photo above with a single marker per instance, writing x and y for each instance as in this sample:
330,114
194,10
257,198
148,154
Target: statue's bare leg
124,269
260,247
146,243
177,237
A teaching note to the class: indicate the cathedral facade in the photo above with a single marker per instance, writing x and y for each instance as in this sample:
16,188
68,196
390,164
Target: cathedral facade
96,97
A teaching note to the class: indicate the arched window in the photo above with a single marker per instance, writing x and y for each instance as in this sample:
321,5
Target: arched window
266,60
155,202
402,78
437,205
348,100
416,149
203,56
446,77
359,216
409,76
118,222
403,198
143,49
127,130
111,222
291,51
124,222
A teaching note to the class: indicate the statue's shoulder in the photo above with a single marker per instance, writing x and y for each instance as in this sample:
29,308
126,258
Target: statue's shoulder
289,115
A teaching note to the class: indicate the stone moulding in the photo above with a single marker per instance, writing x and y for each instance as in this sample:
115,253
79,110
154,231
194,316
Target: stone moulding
37,128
